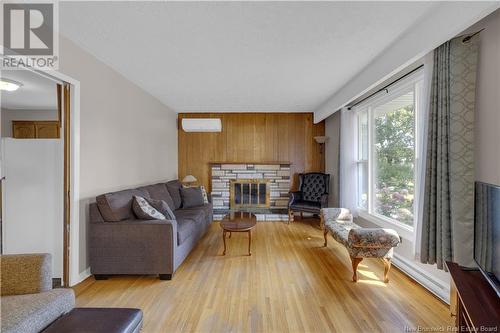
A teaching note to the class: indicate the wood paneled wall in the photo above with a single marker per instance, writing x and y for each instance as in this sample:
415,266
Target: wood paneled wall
252,137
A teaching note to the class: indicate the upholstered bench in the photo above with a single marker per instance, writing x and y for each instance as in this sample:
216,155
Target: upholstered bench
359,242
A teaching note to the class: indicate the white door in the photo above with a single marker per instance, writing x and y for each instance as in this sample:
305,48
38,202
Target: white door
33,198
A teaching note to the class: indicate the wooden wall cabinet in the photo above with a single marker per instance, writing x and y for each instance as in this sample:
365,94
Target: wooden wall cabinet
35,129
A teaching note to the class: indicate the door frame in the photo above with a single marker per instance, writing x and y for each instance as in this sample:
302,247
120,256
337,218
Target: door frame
71,246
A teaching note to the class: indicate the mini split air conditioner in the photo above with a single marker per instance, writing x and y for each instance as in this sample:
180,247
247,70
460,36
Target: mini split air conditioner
201,125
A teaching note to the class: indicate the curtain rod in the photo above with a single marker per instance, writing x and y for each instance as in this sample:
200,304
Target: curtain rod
466,39
385,87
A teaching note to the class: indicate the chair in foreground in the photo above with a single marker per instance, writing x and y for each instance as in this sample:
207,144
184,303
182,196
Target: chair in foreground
360,242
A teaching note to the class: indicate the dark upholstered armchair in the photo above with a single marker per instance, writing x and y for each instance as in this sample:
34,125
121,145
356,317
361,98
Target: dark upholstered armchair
311,196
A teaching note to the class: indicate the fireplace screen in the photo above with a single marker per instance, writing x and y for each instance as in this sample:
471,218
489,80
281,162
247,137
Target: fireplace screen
249,193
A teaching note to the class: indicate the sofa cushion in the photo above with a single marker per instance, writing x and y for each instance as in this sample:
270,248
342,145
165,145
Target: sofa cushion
174,188
159,192
185,229
206,209
144,210
191,197
306,205
33,312
196,215
117,206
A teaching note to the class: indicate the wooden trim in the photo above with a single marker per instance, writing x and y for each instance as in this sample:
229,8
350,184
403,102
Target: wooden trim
67,183
258,163
59,103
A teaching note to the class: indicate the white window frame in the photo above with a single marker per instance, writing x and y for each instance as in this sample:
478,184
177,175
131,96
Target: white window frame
413,82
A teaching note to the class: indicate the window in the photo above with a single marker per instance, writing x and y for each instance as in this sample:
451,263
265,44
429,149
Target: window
387,152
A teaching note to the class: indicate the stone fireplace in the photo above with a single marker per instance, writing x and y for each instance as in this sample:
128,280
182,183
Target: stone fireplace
251,185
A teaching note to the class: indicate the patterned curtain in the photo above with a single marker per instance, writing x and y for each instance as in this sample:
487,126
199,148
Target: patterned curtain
447,221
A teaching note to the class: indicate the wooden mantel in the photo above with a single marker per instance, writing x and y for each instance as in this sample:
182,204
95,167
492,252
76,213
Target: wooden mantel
259,163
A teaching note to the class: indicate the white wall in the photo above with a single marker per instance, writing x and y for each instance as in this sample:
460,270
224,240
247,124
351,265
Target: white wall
127,137
8,115
332,149
487,134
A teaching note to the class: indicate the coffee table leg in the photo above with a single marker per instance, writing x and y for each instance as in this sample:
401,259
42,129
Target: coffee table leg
224,238
230,234
249,242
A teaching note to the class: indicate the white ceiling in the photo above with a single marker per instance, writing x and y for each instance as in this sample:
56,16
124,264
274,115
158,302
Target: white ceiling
238,56
37,92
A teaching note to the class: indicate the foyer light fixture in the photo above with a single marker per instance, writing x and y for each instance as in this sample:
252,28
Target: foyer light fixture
9,85
201,125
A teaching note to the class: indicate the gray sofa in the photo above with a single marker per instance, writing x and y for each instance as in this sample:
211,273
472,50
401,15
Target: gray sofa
28,302
119,243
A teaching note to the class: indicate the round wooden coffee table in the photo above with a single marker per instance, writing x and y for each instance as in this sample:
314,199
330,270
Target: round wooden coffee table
238,222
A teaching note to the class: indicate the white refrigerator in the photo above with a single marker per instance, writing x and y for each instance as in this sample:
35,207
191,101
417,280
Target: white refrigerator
33,198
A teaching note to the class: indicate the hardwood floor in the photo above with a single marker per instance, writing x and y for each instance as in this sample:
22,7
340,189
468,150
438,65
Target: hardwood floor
291,283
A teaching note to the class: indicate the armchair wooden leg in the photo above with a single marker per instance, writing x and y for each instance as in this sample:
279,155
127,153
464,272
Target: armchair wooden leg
325,233
290,215
355,263
387,268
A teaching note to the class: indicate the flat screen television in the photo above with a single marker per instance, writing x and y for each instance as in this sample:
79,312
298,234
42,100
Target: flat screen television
487,232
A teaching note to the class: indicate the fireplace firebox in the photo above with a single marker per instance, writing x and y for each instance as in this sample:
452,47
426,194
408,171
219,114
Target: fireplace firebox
249,193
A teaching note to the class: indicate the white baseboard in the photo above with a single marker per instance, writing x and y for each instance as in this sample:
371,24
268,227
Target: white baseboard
80,277
439,288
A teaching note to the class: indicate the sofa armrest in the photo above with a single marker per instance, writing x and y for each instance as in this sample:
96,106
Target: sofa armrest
294,196
26,273
115,245
373,238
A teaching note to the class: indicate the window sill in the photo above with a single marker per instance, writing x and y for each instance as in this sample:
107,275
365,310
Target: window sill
404,231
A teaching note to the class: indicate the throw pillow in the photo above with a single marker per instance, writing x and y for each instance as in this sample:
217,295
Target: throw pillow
144,210
191,197
205,195
162,207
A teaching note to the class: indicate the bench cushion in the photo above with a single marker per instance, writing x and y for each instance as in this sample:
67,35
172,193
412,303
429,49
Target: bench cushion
360,242
340,230
33,312
109,320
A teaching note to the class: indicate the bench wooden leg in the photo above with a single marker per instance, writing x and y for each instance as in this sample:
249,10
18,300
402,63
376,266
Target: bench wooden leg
355,263
387,267
325,233
321,221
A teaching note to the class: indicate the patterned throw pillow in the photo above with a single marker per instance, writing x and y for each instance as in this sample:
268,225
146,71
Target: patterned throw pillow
144,210
205,195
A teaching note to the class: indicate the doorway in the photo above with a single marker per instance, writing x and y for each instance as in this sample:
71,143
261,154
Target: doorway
36,168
